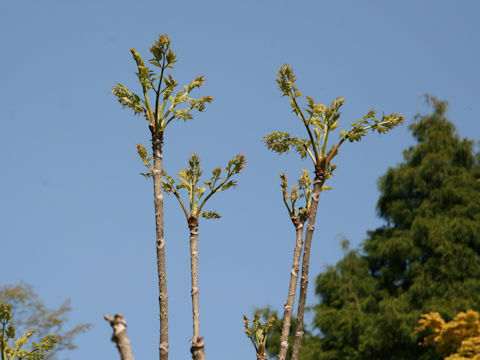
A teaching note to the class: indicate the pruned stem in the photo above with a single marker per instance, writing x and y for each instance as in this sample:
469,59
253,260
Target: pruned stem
198,347
157,140
317,187
119,336
288,307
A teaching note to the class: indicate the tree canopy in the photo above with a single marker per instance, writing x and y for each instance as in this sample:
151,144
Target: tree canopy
30,312
425,258
459,338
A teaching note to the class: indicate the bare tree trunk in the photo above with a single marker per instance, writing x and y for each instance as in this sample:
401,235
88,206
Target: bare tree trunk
288,307
317,188
119,337
198,347
157,141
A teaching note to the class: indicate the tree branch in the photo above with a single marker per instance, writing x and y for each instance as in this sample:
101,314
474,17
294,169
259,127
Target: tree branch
119,336
288,307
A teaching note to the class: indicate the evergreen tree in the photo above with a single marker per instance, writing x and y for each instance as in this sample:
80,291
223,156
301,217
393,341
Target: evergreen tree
319,121
425,258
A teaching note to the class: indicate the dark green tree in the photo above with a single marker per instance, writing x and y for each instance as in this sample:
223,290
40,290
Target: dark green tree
319,122
425,258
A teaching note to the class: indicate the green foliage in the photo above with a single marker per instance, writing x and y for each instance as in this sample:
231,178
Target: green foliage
311,343
425,258
319,121
189,179
282,142
11,349
30,312
128,99
304,190
168,105
258,332
459,339
142,152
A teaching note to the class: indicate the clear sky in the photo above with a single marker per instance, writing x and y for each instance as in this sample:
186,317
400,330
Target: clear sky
77,218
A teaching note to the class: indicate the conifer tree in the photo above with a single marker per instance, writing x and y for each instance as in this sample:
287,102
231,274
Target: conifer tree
319,122
166,106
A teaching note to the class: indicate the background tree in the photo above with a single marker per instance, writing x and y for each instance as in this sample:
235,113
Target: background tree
319,121
198,196
425,258
30,312
11,349
166,106
458,339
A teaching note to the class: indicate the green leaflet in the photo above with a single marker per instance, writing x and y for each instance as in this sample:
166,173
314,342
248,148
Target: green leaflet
304,190
14,351
319,121
166,107
190,178
258,331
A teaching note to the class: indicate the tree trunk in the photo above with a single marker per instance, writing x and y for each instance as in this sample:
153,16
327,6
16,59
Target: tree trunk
198,347
288,307
262,356
119,337
157,141
320,177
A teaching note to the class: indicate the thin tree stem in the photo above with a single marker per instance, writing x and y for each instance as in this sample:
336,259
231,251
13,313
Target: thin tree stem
198,347
157,98
262,356
157,140
3,340
317,158
317,187
193,225
288,307
119,336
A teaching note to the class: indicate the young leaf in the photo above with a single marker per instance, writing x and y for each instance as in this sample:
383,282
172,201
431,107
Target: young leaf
210,215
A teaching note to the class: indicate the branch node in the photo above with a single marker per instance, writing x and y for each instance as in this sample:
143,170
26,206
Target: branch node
160,244
164,346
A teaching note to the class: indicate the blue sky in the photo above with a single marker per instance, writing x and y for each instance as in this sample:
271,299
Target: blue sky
77,218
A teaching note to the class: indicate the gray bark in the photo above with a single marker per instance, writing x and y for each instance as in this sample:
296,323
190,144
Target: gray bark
317,187
157,141
198,347
288,307
119,336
